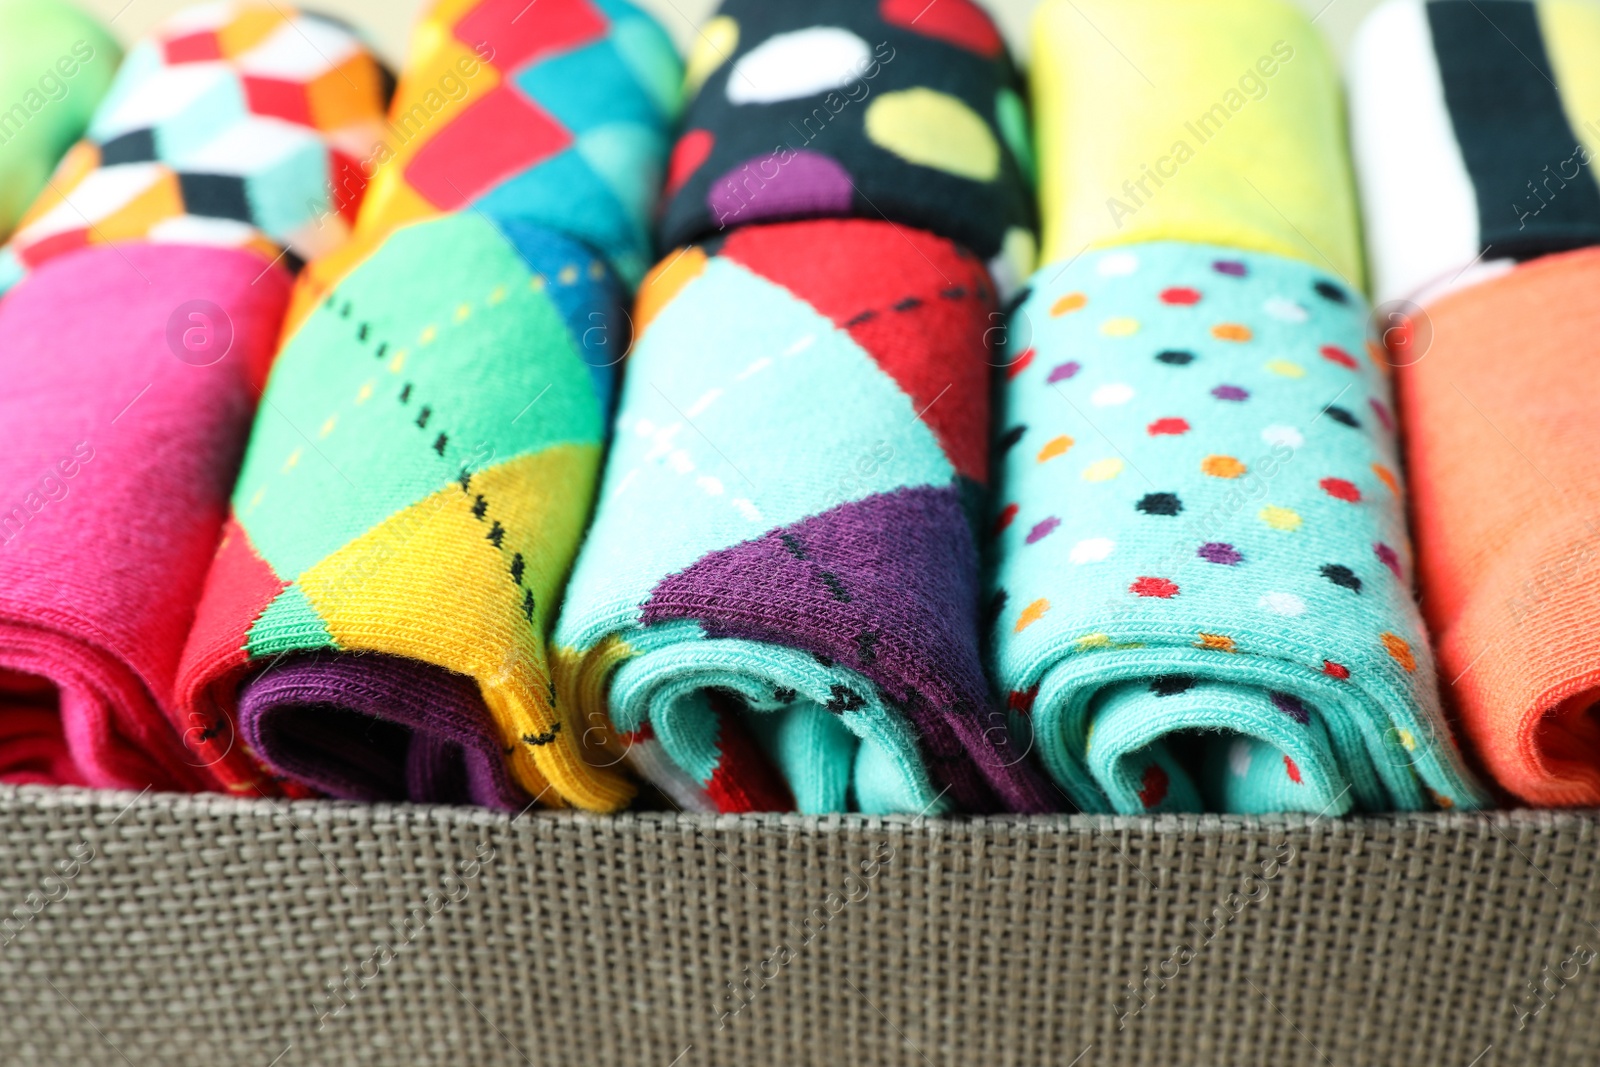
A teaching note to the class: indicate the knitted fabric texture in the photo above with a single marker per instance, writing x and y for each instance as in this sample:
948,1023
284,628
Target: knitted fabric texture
1505,553
420,480
55,65
1227,130
118,454
1475,125
1203,583
224,127
778,596
554,114
886,109
377,728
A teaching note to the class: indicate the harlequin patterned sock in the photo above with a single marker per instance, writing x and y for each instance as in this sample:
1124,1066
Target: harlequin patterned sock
370,727
419,480
117,452
55,62
1203,593
1475,126
224,128
778,595
1227,128
891,109
1506,564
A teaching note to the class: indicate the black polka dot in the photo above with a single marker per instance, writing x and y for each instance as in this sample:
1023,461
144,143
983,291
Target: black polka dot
1342,576
1329,291
1160,504
1174,357
1339,414
1011,437
997,604
1172,685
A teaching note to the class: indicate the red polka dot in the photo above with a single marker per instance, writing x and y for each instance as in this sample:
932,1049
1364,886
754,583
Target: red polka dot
1180,295
1155,786
1019,364
1168,427
1156,587
1007,514
691,151
1335,670
1294,772
1340,489
1335,354
1021,700
957,22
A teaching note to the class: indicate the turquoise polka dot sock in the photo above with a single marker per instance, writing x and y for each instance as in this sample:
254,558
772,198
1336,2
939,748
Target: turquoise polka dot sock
1201,584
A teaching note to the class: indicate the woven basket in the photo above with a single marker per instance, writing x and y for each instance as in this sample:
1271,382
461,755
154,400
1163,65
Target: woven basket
206,931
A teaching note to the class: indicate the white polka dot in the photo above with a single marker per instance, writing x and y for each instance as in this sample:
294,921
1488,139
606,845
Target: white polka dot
1287,436
1239,757
1092,550
807,62
1285,310
1117,264
1284,604
1109,396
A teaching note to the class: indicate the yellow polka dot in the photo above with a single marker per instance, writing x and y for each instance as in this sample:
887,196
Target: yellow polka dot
1386,476
715,43
1231,331
568,275
1119,327
1067,304
1222,467
1286,368
597,270
463,313
365,394
1407,741
1280,518
1399,650
397,361
1093,641
933,129
498,295
1031,614
294,458
427,336
1102,470
1056,446
328,426
1215,642
255,501
537,283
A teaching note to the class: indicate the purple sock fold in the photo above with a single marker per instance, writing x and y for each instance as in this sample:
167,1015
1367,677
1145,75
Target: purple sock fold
365,726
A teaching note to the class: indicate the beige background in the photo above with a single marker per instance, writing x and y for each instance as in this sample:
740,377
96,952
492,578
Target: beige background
389,21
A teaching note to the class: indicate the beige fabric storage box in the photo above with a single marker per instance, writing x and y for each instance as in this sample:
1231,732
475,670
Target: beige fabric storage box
212,932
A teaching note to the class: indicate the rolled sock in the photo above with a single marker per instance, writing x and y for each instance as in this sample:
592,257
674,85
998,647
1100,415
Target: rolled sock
453,369
55,65
1202,593
119,450
1474,127
372,727
783,534
897,110
1228,130
225,128
1505,497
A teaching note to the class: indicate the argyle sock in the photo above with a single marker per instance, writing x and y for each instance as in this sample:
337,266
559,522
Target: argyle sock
119,449
1227,130
778,595
371,727
838,108
55,65
1203,573
1475,126
453,371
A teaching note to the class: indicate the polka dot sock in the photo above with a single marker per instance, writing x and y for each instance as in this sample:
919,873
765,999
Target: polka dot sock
1202,583
896,109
